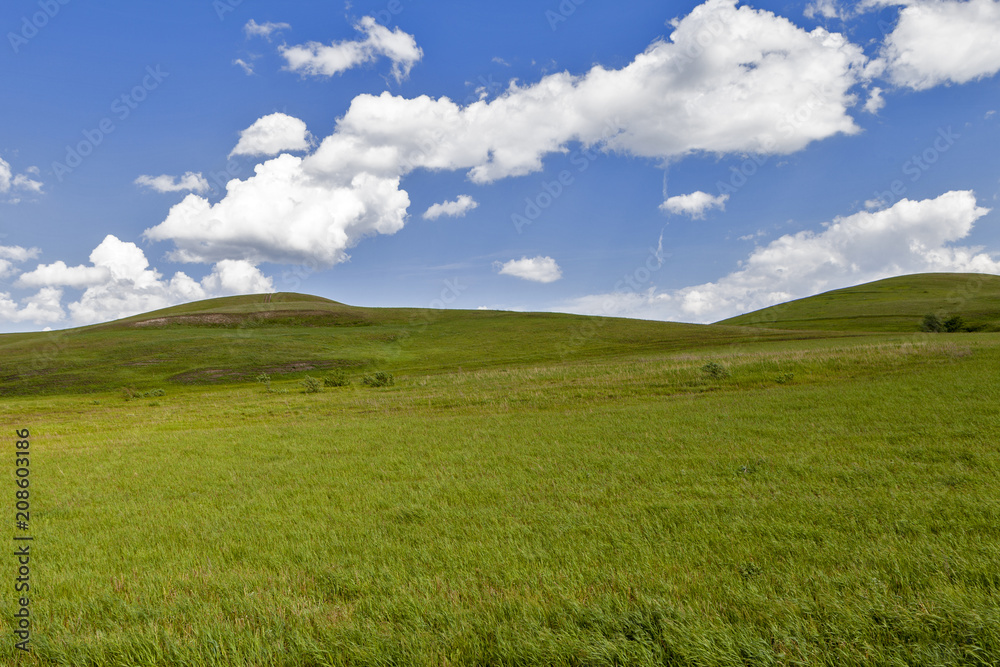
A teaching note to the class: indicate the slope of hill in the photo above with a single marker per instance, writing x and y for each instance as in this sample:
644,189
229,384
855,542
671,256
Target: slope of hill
234,339
893,304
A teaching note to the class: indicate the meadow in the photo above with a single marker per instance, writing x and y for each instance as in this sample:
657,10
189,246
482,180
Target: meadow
532,490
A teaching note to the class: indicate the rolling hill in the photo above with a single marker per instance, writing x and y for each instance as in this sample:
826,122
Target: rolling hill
893,304
288,335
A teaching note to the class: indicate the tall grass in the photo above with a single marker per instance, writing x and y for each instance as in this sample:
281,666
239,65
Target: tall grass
591,512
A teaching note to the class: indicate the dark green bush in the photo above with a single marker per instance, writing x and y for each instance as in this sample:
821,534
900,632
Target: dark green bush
715,370
954,323
378,379
932,324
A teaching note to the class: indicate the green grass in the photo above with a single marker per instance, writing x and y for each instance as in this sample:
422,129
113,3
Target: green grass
894,304
586,494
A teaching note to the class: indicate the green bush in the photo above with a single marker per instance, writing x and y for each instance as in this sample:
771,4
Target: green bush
311,385
932,323
338,379
131,393
379,379
715,370
954,323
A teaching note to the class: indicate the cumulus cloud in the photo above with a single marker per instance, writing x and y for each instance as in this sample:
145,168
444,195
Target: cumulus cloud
730,80
326,60
875,101
283,215
265,30
12,255
694,204
189,182
942,41
826,8
42,307
59,274
273,134
118,283
453,209
11,182
232,276
909,237
537,269
18,254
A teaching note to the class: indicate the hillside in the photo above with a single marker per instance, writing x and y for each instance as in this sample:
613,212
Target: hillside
893,304
287,335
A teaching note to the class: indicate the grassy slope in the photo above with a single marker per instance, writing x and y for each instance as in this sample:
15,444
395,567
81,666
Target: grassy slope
234,339
894,304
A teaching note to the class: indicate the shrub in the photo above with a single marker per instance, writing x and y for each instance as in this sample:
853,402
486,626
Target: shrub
932,323
338,379
784,377
379,379
131,393
311,385
715,370
954,323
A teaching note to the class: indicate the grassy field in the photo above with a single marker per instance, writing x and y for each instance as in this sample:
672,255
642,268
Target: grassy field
533,489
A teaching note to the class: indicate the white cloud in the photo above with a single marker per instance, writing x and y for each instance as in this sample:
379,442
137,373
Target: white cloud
454,209
58,274
694,204
118,283
322,60
537,269
826,8
265,30
875,101
236,277
9,181
731,80
273,134
942,41
283,214
41,307
190,181
18,254
247,67
910,237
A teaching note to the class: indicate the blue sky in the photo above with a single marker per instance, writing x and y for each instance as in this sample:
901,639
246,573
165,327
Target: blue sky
665,160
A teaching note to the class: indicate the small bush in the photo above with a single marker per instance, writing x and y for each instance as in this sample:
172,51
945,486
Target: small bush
311,385
715,370
338,379
379,379
131,393
932,324
784,377
954,323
